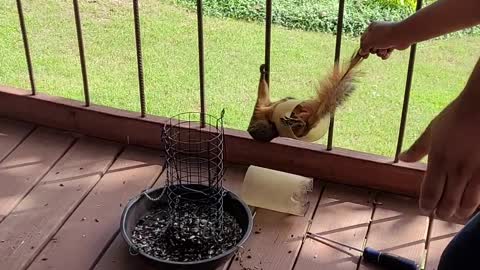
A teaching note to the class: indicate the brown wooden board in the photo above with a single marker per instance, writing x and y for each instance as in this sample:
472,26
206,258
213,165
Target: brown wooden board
398,228
42,212
28,163
441,234
365,170
233,178
343,215
12,133
276,238
96,221
117,255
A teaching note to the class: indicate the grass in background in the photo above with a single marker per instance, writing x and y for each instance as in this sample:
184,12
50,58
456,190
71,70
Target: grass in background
233,52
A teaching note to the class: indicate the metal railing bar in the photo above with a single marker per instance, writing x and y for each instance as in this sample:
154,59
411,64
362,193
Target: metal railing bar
338,47
406,98
26,46
81,49
268,39
201,61
138,45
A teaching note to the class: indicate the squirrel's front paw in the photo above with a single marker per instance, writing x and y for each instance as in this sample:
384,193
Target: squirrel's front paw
263,68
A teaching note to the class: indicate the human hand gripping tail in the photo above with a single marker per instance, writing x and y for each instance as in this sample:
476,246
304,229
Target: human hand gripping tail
437,19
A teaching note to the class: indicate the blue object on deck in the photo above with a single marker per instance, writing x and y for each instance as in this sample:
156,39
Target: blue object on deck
388,261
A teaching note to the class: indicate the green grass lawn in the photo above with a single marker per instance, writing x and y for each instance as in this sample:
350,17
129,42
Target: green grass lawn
233,51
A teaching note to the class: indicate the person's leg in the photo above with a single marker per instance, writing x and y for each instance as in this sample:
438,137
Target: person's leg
463,252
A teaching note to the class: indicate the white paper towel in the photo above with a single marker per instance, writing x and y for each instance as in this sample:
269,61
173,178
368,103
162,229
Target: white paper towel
276,190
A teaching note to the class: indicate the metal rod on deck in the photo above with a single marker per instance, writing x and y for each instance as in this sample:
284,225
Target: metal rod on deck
406,98
201,61
81,49
26,46
138,45
338,46
268,39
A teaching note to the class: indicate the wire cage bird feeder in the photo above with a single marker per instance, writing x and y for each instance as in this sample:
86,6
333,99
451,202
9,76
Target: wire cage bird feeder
194,151
191,221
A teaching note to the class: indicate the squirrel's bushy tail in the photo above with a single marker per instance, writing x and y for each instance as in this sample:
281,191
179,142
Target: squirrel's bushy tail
334,90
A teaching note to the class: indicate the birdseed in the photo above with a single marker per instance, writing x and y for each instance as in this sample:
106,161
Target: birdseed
189,235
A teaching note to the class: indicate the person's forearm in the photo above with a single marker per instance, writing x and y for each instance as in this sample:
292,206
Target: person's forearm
471,93
439,18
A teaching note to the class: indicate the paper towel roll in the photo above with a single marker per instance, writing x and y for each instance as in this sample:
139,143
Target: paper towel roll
276,190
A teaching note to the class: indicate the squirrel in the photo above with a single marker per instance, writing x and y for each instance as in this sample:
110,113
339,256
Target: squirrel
295,119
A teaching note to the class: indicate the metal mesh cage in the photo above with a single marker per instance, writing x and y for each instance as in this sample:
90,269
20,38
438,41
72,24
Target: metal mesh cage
194,151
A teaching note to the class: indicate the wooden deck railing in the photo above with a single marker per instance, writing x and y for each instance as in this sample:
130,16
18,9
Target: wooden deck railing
329,163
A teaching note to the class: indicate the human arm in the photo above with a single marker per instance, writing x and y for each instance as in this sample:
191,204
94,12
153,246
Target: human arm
439,18
451,185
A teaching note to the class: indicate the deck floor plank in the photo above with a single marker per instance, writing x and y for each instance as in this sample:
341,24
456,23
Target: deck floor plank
441,234
12,133
276,238
343,215
398,228
117,256
42,212
96,221
28,163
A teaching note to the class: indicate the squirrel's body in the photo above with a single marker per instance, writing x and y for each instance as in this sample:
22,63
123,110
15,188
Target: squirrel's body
298,119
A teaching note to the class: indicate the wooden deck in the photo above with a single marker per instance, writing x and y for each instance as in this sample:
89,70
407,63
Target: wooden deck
62,194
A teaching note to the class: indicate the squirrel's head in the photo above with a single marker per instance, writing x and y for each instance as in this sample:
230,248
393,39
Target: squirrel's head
263,130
